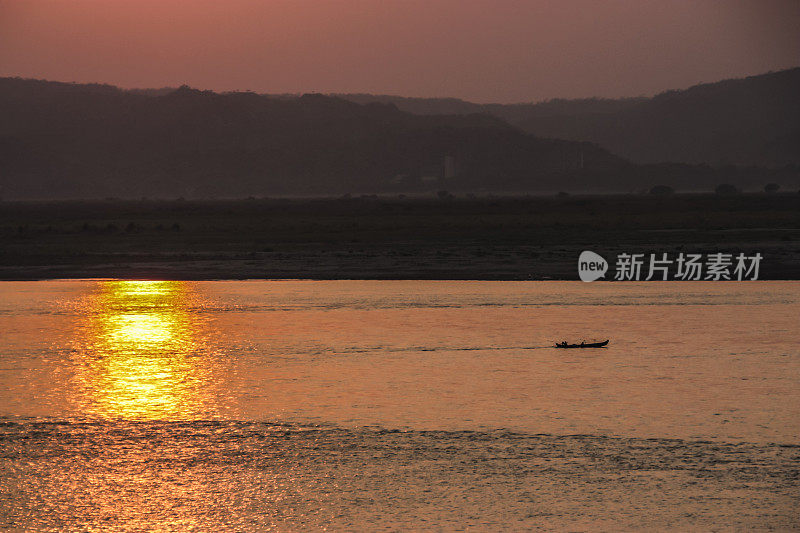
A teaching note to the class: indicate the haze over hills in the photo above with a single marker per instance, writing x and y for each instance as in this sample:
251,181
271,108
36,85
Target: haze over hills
73,140
749,121
512,113
61,140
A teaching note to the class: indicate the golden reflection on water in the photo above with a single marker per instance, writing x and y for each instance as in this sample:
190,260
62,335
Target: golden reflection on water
142,353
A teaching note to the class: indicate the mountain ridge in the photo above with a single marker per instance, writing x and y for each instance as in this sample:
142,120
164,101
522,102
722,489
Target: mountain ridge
96,140
67,140
753,120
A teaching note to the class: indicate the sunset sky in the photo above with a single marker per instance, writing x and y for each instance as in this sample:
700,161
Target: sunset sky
480,50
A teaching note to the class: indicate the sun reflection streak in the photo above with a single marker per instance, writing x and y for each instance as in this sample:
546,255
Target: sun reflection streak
142,352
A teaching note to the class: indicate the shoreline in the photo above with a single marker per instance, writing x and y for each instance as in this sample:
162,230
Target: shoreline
512,238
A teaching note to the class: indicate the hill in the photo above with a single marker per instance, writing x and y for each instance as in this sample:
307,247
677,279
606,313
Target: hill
750,121
61,140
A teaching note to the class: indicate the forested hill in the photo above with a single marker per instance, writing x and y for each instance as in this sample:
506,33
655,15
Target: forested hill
749,121
70,140
60,140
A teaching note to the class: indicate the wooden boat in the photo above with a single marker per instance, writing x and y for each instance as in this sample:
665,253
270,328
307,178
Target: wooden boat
582,345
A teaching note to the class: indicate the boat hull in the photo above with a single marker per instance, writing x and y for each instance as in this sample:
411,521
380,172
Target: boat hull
584,345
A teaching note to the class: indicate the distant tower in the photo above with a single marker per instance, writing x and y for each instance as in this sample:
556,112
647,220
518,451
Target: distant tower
449,166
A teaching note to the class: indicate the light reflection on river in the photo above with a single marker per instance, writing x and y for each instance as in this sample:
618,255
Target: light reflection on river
142,354
259,405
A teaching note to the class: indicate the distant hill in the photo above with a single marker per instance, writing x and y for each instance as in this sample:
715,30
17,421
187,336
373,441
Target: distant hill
67,140
62,140
512,113
750,121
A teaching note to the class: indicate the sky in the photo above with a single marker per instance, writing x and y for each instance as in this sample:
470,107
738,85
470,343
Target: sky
480,50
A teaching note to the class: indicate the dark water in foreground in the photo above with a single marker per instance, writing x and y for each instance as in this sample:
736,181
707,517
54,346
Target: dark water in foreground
398,405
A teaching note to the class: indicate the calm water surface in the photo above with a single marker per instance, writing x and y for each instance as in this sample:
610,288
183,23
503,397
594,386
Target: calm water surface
398,405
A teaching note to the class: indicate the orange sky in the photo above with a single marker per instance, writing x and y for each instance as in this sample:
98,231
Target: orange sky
481,50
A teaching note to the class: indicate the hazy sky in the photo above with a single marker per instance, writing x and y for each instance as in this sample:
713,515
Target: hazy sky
481,50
